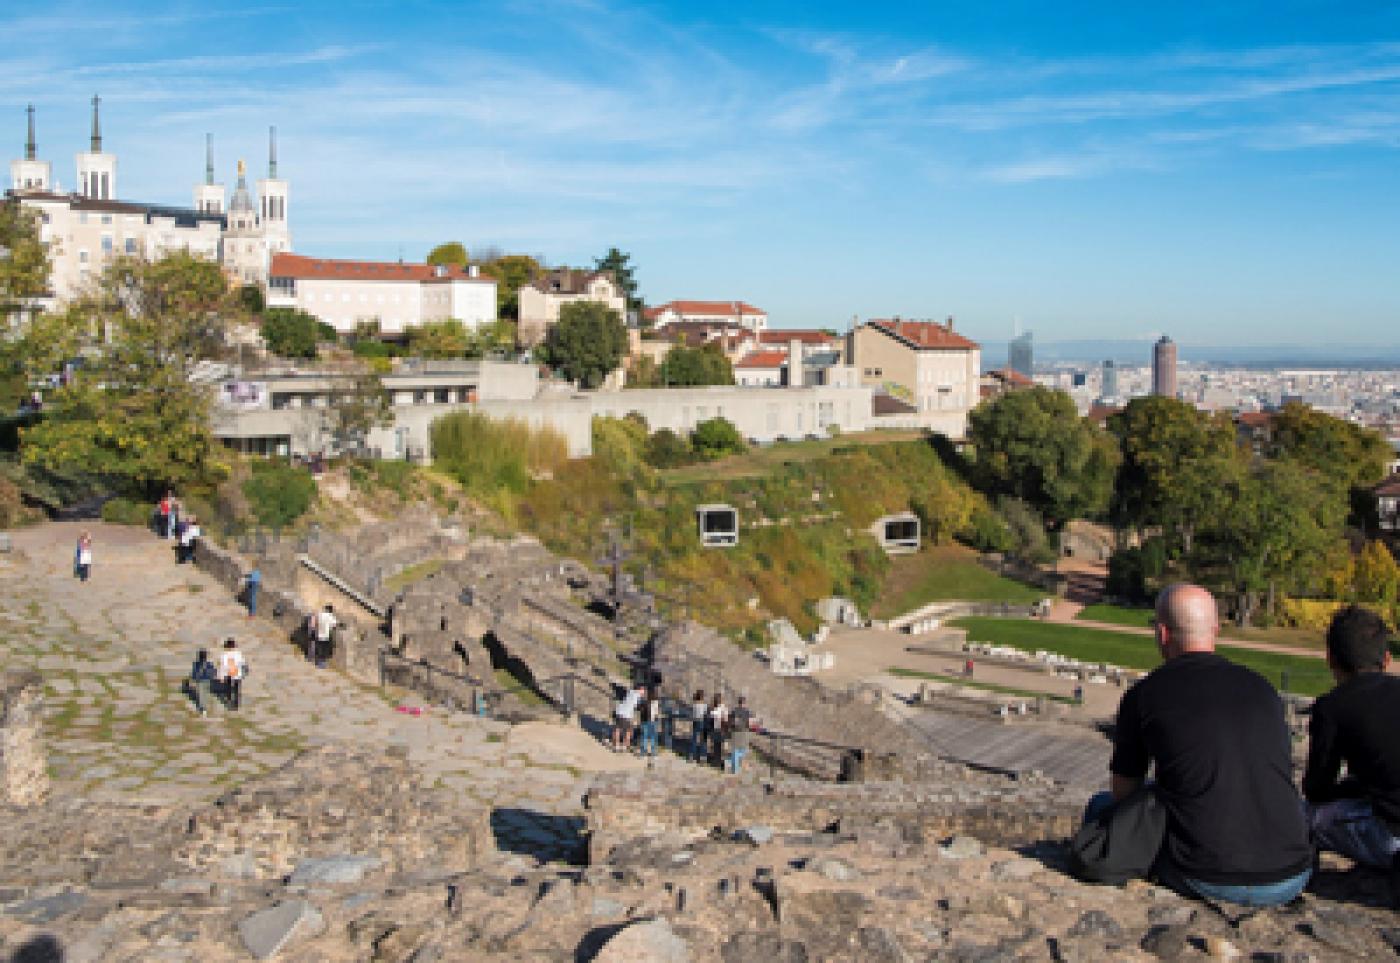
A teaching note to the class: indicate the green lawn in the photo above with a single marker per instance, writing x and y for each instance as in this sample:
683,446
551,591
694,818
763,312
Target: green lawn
1305,675
1116,614
760,461
940,574
974,684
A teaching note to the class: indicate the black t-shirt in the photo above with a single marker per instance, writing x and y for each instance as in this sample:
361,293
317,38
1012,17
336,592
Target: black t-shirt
1215,731
1358,723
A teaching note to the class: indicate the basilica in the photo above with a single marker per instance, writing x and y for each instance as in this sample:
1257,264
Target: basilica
87,227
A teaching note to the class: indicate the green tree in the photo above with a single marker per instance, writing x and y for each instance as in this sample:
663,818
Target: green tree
666,449
293,333
131,412
439,339
24,261
492,338
511,272
705,365
278,493
1033,445
450,253
250,296
1177,465
716,438
586,344
1352,457
357,406
617,262
643,372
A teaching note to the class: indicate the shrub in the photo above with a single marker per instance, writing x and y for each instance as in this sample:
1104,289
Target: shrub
487,456
279,493
666,449
989,533
291,333
619,443
127,511
716,438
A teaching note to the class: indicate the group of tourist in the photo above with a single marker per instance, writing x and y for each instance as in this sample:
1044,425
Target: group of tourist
1223,819
223,678
717,734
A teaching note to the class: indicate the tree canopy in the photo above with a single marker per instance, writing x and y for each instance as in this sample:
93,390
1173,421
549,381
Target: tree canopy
452,252
1033,445
587,343
293,333
131,412
705,365
1355,457
618,263
511,272
716,438
24,262
439,339
357,406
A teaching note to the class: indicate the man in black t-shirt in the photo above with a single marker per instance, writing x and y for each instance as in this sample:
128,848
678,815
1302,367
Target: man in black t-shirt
1357,723
1216,734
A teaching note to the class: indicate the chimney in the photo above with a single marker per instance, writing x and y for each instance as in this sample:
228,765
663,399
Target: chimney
949,326
794,363
473,271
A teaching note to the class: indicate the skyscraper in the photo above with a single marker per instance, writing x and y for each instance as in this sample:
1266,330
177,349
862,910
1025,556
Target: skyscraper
1164,367
1110,380
1021,355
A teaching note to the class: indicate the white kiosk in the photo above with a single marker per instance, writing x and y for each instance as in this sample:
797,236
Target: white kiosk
897,534
718,525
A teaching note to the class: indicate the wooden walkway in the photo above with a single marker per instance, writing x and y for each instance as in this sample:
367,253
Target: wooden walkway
1074,759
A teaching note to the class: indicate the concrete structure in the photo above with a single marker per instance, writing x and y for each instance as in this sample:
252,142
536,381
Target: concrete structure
718,525
542,299
923,363
1021,355
84,230
1164,367
397,296
897,534
737,313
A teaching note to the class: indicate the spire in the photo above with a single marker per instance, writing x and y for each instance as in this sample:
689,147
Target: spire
96,126
29,144
209,158
272,153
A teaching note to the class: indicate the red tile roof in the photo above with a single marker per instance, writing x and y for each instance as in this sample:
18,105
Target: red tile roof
923,335
1012,377
763,359
1255,419
1101,413
319,268
722,309
805,335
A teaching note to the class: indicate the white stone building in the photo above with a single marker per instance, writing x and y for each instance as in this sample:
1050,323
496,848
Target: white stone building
709,312
398,296
541,299
86,228
923,363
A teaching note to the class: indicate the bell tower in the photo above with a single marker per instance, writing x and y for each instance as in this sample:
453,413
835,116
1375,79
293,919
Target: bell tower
97,171
272,197
29,173
209,196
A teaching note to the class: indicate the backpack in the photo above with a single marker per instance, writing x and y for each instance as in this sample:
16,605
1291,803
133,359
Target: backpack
231,670
1123,843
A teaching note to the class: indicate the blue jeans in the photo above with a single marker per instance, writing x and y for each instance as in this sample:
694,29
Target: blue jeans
252,599
1350,827
1245,894
648,747
736,759
697,741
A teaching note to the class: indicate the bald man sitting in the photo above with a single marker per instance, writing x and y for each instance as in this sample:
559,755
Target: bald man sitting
1215,733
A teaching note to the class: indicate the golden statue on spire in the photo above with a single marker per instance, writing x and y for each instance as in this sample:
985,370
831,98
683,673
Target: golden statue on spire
242,167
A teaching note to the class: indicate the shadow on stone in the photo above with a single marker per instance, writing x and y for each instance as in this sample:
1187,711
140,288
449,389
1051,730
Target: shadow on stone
544,836
594,940
40,949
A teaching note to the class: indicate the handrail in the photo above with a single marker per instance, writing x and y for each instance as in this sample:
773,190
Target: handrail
340,583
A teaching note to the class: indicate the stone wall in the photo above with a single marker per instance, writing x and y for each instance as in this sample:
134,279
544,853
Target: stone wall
24,777
997,810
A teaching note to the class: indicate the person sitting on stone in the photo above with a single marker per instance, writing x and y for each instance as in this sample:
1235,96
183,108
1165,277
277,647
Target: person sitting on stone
1215,731
1357,723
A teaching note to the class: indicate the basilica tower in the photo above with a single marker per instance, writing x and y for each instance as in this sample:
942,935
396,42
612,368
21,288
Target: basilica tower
273,195
29,173
97,171
209,196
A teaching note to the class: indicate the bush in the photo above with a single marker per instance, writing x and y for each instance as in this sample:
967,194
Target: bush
291,333
127,511
279,493
666,449
488,456
716,438
989,533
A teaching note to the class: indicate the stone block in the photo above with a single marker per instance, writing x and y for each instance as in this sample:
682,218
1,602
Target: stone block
651,941
268,931
332,870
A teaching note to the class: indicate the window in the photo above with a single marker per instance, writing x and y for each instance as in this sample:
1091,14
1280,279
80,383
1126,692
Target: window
82,257
82,217
105,193
106,219
420,397
106,244
442,396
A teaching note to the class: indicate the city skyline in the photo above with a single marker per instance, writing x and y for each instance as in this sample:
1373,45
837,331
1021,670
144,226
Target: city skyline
1223,183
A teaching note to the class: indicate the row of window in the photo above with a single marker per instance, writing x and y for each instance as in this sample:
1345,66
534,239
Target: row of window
466,394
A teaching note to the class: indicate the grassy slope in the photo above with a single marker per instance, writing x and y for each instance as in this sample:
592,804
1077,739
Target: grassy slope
757,462
1116,615
1306,675
945,572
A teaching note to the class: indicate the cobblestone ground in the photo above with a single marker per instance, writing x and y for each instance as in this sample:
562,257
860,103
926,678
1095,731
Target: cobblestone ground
113,652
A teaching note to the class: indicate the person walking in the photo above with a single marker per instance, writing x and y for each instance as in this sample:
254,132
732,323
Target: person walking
324,626
82,557
699,713
651,718
718,721
623,718
202,676
1235,829
189,536
253,582
740,723
232,670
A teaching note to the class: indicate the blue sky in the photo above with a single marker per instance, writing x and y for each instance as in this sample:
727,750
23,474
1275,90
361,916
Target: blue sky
1226,172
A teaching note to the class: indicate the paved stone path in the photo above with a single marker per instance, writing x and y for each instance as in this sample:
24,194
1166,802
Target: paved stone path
113,652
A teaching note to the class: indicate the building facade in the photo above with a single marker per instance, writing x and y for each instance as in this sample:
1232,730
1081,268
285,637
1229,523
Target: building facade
1164,367
1021,355
397,296
924,363
87,228
737,313
541,299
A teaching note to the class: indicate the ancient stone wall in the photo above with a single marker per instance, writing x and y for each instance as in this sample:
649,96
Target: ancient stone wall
24,777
